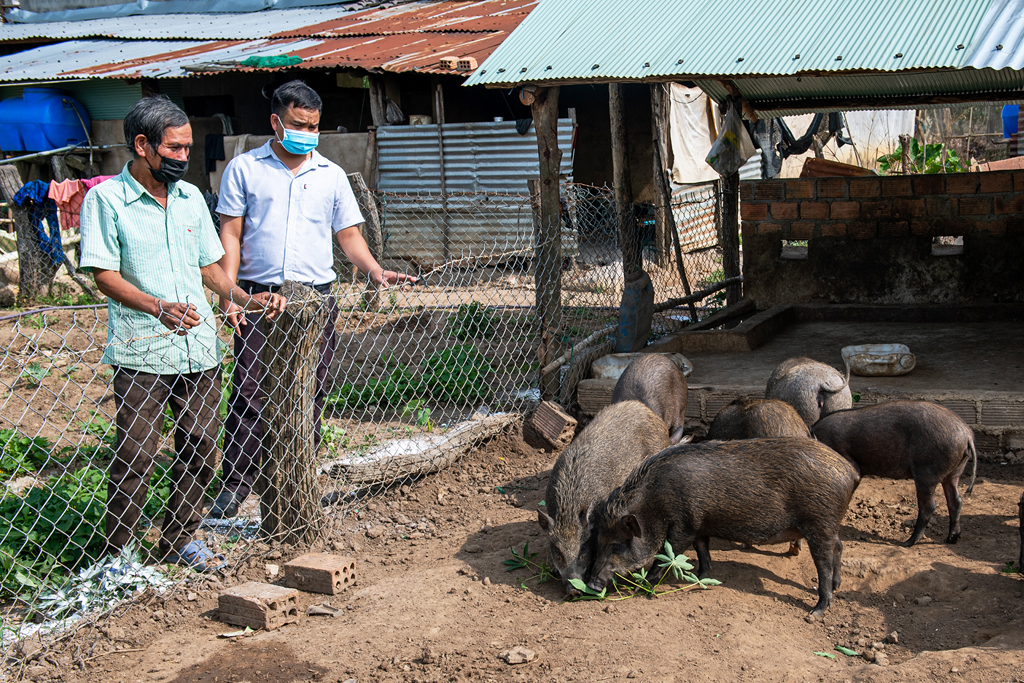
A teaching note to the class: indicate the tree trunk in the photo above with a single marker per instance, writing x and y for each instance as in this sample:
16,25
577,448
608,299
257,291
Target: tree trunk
35,269
289,496
548,222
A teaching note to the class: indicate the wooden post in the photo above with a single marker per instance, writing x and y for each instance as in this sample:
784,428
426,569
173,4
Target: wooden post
289,499
372,232
446,222
35,270
371,161
622,182
730,237
378,108
665,220
548,221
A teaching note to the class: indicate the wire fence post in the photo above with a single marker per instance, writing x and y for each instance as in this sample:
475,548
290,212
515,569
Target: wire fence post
372,232
730,237
288,488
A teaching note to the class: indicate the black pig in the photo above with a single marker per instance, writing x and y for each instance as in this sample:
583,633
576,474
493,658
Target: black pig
619,438
656,382
907,440
757,418
754,491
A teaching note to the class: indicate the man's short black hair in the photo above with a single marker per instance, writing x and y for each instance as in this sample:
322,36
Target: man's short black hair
295,94
150,117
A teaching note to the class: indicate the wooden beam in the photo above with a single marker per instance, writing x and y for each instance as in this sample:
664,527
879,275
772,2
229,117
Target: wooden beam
730,235
622,183
378,108
666,234
548,221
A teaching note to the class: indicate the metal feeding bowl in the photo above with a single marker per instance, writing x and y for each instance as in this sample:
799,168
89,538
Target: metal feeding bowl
613,365
879,360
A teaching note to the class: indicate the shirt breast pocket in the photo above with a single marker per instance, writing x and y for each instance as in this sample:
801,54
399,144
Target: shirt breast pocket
190,245
316,207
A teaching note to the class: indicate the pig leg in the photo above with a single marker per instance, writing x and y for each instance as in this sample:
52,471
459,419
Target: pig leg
1020,509
925,508
837,565
954,503
703,557
823,552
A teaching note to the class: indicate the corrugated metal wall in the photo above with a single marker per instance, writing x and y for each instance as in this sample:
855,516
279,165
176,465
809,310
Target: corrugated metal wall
487,210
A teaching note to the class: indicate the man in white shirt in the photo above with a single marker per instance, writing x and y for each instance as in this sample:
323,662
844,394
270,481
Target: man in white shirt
279,206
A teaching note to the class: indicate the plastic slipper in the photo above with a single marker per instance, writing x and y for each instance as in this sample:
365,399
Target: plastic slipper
197,556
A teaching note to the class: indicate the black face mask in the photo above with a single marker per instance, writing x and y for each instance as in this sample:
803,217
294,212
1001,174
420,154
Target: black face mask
170,171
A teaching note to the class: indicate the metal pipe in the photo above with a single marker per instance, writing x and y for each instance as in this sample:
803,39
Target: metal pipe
61,150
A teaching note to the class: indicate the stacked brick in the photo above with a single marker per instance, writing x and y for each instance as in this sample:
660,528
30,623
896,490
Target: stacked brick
885,206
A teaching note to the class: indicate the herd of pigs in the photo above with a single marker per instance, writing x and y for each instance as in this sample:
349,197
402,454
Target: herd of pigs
782,468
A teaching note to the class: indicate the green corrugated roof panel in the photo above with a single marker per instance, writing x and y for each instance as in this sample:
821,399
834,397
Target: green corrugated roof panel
828,44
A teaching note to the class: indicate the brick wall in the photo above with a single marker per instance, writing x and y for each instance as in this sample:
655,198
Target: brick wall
870,238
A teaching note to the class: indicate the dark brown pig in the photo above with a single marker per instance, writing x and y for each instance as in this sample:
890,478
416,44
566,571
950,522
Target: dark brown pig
1020,512
656,382
907,440
757,418
813,388
753,491
619,438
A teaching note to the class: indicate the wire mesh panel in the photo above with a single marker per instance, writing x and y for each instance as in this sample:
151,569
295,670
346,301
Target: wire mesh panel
122,431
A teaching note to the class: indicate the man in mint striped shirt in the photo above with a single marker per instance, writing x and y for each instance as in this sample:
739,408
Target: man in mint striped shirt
149,239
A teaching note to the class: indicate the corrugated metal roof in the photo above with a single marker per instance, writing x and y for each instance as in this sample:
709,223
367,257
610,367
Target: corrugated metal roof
412,37
807,48
247,26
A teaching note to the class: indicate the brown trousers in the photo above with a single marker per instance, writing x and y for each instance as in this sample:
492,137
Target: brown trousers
140,398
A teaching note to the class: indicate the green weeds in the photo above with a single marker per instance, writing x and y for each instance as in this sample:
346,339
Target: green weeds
472,321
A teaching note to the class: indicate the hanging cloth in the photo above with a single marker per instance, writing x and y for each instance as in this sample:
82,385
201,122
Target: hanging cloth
34,197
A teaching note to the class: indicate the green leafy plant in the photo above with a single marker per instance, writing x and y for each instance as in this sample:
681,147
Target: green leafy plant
457,374
418,409
923,159
334,439
35,321
524,559
638,583
1009,568
34,374
472,321
20,454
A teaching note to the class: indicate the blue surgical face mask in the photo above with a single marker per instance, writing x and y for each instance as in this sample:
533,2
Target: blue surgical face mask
297,141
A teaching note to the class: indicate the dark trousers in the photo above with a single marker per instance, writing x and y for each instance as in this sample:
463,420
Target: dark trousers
243,429
140,398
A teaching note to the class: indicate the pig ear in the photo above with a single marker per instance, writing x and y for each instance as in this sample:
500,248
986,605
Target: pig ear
676,436
544,520
632,524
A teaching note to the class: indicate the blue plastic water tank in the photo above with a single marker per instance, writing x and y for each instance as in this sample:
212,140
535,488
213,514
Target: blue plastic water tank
41,119
1010,112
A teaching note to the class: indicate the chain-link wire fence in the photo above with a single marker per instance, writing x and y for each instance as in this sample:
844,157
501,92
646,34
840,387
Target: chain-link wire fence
278,431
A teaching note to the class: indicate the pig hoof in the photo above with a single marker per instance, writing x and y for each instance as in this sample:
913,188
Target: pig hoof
953,538
909,543
793,551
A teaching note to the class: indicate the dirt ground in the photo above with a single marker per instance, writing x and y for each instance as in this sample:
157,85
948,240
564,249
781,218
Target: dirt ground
434,602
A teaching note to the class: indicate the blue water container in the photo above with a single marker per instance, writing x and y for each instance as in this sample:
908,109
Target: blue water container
1010,113
41,119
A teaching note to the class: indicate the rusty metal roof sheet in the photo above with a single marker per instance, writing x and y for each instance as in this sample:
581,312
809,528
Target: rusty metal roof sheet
412,37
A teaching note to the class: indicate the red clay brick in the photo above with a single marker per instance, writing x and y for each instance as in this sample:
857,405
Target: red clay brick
876,208
996,181
1018,181
1008,203
908,208
929,184
865,187
802,230
962,183
975,206
747,191
1015,225
814,210
862,230
749,228
893,228
834,188
845,210
833,229
896,186
799,189
922,228
939,206
784,211
753,212
768,228
994,227
774,190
